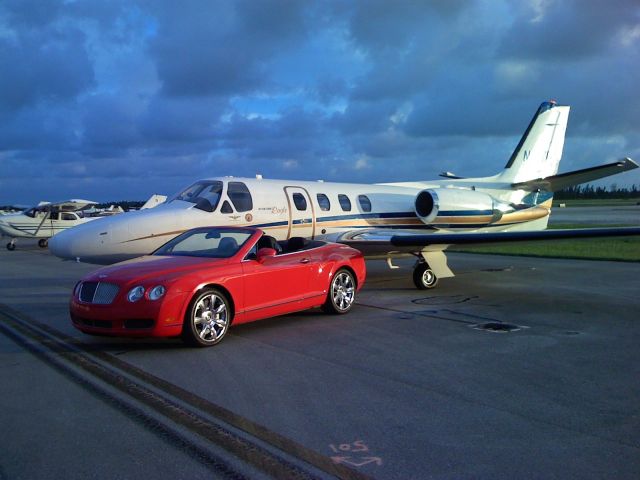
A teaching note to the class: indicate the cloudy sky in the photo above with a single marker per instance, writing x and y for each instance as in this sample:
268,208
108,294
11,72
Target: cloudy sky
117,100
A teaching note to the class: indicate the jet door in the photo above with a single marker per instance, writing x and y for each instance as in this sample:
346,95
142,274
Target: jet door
302,219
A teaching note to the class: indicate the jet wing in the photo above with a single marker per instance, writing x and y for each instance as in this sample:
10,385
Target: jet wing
378,242
563,180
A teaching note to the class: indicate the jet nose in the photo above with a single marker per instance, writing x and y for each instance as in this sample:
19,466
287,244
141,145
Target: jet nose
61,245
96,241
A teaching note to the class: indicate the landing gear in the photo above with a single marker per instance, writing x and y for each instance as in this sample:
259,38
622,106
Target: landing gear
43,242
11,246
423,276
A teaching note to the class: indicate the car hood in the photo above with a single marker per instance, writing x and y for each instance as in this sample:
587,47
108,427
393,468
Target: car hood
153,266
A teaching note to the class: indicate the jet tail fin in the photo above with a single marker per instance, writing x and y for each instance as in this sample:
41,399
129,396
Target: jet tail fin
539,151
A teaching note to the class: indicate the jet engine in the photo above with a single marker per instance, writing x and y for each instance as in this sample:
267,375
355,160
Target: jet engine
460,207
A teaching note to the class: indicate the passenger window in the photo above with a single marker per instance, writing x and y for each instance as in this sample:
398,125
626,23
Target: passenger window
226,208
365,203
345,203
240,196
54,216
299,201
68,216
324,202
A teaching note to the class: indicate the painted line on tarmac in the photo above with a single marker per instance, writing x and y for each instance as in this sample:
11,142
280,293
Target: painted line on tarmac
270,452
54,356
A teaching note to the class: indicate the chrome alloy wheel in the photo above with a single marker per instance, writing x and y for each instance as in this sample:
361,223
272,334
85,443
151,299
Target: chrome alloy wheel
210,318
343,291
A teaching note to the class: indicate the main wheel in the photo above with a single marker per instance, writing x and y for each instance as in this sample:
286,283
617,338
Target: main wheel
207,319
423,277
43,242
11,246
342,293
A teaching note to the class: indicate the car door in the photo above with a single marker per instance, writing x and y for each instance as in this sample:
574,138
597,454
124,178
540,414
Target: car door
277,282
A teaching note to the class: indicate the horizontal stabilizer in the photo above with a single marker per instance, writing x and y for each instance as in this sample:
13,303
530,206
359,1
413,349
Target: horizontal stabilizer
569,179
498,237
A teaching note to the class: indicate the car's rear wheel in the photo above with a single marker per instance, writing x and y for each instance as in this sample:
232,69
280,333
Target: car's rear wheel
342,293
208,319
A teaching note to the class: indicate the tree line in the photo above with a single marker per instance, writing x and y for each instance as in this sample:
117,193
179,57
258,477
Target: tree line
589,191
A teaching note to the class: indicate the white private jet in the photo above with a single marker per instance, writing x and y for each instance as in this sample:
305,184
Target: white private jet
420,217
43,221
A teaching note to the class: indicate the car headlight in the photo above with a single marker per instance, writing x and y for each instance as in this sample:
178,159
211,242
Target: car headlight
135,294
156,292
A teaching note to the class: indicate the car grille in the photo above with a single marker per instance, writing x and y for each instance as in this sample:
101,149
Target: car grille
106,324
100,293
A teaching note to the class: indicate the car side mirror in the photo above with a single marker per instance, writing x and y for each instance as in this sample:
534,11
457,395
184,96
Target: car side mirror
265,253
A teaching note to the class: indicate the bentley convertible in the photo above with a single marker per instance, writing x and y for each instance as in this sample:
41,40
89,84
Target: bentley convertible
206,279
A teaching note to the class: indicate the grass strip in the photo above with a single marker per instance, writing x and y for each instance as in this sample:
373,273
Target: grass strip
621,249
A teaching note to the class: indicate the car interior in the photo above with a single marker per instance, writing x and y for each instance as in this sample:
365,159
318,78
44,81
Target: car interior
294,244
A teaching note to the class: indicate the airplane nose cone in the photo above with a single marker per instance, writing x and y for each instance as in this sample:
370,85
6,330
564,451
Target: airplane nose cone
61,245
83,241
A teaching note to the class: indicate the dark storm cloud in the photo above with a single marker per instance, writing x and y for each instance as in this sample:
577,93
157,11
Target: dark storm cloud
205,48
378,25
124,99
171,120
569,30
293,139
50,65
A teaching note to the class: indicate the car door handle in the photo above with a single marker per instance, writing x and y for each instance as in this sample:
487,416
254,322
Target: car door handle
305,260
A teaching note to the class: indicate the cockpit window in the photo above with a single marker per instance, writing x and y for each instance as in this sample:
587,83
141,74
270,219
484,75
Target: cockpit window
34,212
205,195
240,196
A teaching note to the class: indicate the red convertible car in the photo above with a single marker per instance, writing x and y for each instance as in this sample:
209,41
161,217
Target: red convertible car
204,280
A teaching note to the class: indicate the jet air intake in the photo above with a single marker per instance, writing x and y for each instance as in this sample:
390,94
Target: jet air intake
444,207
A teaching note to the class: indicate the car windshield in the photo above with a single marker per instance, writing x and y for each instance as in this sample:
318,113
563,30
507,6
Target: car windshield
206,242
205,195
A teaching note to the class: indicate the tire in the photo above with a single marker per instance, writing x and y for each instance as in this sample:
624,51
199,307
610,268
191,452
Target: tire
423,277
342,293
207,320
43,242
11,246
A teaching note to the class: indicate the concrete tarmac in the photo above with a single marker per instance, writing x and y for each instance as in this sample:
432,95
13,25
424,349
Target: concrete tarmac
410,384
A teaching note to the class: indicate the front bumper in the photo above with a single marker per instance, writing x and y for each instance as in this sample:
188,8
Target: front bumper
145,318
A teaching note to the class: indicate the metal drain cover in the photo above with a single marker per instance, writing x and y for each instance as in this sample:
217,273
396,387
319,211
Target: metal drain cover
497,327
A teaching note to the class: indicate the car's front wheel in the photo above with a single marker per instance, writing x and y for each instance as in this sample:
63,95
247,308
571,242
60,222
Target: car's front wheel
208,319
342,293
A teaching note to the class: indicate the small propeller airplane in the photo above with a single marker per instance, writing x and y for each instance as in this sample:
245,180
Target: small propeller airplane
43,221
422,218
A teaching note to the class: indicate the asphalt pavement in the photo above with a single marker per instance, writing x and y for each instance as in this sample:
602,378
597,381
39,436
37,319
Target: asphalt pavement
516,368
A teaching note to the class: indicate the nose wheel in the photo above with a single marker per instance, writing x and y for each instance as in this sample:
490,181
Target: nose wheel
43,242
11,246
423,276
